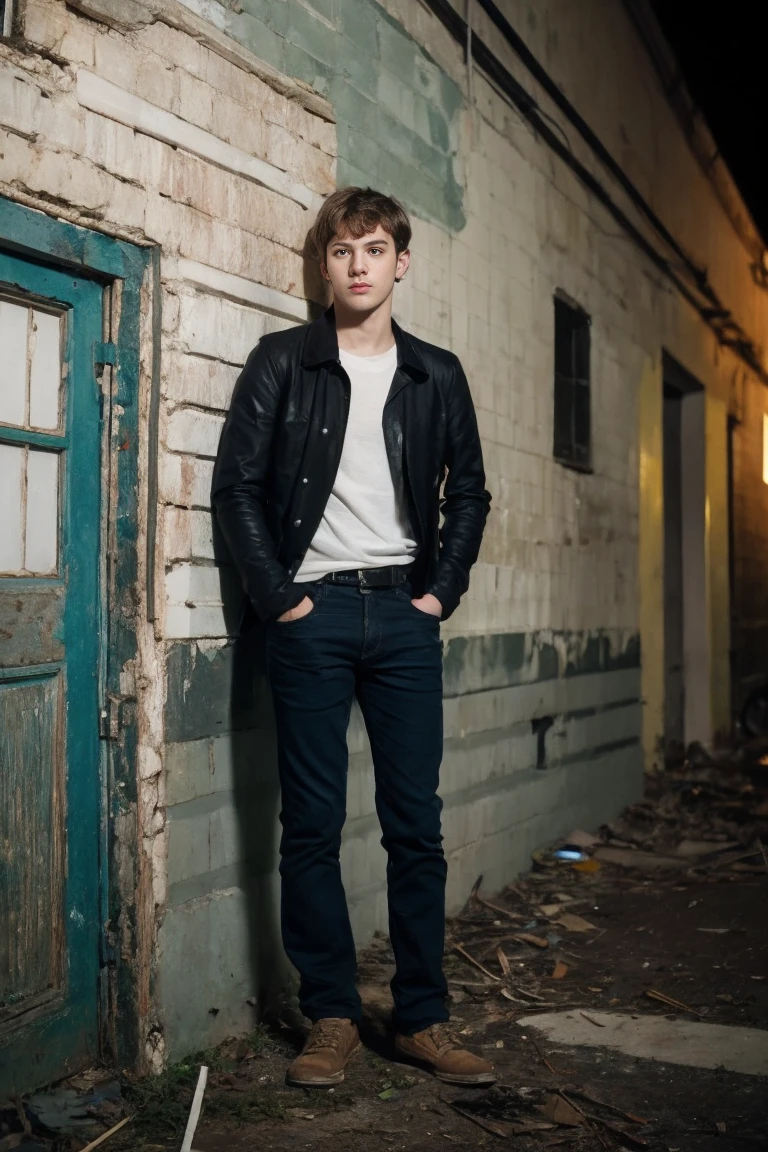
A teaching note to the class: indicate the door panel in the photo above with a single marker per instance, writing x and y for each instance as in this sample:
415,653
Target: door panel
31,800
50,450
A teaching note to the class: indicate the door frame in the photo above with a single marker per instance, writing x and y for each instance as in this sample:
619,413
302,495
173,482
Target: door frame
132,273
694,494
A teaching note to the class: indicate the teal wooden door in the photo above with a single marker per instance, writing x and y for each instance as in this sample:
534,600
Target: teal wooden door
50,451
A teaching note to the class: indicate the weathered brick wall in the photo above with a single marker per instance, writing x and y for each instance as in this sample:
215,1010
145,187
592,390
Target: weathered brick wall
551,625
154,130
750,537
201,148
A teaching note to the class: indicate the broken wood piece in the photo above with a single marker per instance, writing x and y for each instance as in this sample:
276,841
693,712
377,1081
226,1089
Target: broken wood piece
527,992
463,952
731,858
506,992
476,887
517,891
694,848
521,1129
194,1113
625,1136
635,1141
503,962
527,938
573,923
106,1135
581,839
542,1057
637,858
561,1111
499,909
592,1020
489,1125
475,895
652,994
609,1107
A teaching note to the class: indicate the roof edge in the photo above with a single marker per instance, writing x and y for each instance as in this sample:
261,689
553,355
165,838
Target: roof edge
695,128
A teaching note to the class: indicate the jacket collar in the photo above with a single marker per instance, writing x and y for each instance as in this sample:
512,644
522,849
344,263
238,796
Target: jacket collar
322,346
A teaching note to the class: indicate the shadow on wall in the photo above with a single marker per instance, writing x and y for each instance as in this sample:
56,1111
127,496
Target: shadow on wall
256,790
255,780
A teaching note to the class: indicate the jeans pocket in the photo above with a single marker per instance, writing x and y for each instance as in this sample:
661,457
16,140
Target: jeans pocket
315,592
406,597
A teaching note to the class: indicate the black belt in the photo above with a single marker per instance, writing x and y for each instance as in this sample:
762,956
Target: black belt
390,577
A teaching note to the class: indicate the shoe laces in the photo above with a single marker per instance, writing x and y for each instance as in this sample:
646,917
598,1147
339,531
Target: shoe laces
325,1033
442,1038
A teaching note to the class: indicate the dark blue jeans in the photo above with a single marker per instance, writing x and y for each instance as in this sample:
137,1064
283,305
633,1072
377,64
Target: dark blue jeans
376,646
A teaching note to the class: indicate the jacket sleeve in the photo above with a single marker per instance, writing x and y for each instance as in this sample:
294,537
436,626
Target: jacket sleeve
239,491
465,502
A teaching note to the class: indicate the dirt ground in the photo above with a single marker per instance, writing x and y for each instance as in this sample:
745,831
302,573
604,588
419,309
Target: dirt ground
669,904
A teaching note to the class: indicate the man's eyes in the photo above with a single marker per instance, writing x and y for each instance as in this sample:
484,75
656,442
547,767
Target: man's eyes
346,251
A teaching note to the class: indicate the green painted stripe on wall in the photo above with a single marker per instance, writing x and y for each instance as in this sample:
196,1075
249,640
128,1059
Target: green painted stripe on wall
397,109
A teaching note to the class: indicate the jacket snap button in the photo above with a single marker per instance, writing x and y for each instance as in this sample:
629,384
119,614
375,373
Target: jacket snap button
325,431
305,480
297,523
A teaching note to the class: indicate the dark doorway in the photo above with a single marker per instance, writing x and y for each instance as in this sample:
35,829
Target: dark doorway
686,633
674,681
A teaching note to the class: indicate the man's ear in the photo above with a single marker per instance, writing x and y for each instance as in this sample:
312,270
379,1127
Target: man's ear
324,271
403,263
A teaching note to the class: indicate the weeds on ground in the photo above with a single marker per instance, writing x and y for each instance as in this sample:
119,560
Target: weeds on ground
160,1104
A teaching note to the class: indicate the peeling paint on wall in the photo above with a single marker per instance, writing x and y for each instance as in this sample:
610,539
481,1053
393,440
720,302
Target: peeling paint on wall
397,110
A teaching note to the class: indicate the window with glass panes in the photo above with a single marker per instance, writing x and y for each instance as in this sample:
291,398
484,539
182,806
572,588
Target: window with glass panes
572,416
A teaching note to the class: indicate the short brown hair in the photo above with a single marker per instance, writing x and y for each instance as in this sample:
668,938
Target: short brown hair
355,212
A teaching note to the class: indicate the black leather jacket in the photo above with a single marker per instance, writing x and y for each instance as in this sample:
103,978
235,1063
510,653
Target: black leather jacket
281,446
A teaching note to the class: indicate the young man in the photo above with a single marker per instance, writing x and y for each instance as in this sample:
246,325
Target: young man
327,490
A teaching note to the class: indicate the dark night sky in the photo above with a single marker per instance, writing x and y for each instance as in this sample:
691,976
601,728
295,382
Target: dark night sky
722,54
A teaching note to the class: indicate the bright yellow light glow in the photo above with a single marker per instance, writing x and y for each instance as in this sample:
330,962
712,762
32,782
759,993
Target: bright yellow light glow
765,448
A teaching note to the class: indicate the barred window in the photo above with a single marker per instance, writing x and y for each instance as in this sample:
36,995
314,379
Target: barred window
572,423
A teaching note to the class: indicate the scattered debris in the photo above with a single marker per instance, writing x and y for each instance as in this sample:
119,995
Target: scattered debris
463,952
636,858
573,923
68,1112
592,1020
498,908
689,858
581,839
106,1135
560,1111
609,1107
528,938
652,994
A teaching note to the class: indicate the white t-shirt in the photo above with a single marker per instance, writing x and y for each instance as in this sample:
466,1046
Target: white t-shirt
362,526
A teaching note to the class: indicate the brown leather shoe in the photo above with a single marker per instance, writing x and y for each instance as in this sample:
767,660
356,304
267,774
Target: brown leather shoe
328,1048
437,1050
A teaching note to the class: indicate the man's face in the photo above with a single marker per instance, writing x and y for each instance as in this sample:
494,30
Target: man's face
362,272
